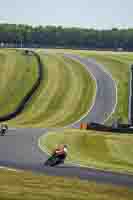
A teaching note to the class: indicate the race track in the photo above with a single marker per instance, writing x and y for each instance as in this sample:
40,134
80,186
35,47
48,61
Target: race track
19,148
106,94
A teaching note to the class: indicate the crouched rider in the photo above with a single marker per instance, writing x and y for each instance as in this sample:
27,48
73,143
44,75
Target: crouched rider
61,151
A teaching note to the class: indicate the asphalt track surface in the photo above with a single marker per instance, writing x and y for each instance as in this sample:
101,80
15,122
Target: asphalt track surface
106,91
19,147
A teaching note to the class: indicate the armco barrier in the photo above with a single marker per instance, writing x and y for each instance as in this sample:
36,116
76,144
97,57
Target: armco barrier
27,97
130,112
122,128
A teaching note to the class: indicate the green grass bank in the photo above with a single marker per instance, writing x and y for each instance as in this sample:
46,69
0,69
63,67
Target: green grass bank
18,73
58,102
102,151
117,64
25,185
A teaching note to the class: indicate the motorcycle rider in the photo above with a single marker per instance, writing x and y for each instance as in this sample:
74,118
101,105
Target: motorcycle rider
4,128
58,155
61,151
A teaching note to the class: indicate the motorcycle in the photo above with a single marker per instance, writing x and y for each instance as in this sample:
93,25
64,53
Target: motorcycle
3,130
54,160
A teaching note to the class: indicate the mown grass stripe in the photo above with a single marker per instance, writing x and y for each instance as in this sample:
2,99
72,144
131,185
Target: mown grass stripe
58,101
102,151
27,96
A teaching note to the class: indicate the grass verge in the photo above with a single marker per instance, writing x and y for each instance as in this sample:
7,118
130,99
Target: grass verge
18,74
58,101
88,148
25,185
117,63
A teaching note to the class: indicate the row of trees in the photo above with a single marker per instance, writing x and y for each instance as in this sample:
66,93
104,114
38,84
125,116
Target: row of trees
53,36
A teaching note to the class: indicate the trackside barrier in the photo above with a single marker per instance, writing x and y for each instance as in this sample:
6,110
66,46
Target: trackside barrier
25,100
122,128
130,110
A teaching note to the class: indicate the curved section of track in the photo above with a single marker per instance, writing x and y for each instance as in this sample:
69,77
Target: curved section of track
106,97
19,148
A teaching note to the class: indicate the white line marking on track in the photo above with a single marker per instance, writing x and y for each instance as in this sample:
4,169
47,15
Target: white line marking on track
115,85
94,98
93,77
75,164
44,149
116,89
9,169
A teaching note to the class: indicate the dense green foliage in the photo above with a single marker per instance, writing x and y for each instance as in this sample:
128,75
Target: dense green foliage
66,37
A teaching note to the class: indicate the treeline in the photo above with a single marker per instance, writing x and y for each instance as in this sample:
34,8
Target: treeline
52,36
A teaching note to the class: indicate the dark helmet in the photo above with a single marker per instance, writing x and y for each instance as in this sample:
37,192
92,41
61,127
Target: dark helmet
65,145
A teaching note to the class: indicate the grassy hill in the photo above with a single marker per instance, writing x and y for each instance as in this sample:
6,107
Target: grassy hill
18,72
54,103
25,185
58,101
104,151
117,63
